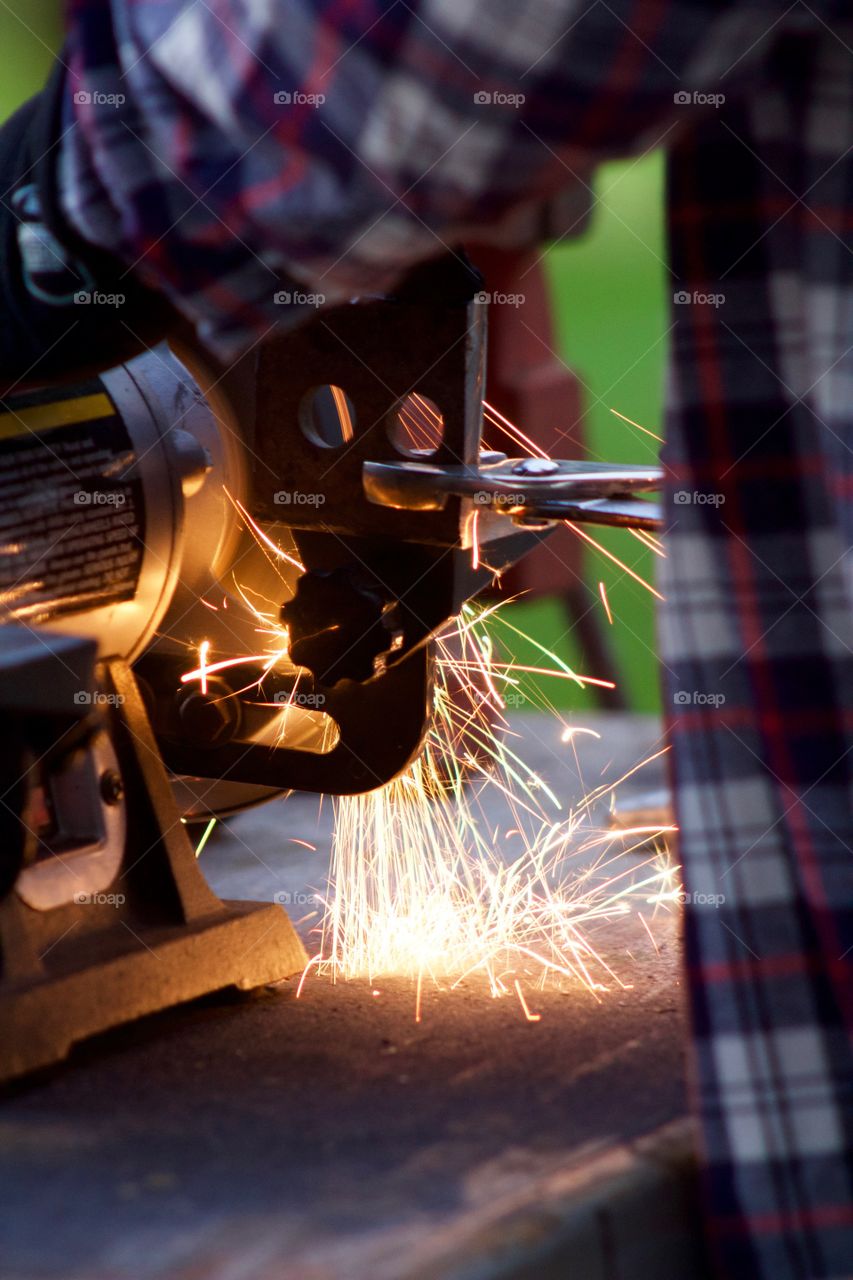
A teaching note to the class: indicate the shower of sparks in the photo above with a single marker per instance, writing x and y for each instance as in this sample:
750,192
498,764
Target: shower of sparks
422,885
262,612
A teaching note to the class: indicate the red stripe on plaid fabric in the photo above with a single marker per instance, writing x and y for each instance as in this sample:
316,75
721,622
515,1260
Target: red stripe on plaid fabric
772,722
808,720
708,345
753,468
826,217
604,118
828,1215
749,968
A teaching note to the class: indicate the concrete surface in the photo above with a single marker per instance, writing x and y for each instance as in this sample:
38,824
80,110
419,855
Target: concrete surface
333,1138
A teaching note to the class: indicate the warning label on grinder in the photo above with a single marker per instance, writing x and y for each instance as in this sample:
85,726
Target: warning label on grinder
71,514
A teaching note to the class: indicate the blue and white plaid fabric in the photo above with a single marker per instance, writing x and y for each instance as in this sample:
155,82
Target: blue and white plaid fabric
220,146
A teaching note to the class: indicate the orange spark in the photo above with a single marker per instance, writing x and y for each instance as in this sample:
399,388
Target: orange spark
344,418
610,556
605,602
510,429
314,960
642,536
261,536
559,675
205,669
203,650
531,1017
648,931
571,731
637,425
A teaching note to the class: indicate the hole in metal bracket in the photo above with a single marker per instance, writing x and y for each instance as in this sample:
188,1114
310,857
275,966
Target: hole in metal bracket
327,417
416,427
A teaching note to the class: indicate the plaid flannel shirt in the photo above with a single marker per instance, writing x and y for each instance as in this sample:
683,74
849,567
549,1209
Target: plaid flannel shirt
220,147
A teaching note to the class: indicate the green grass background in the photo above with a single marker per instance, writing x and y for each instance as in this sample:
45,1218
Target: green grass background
608,293
607,288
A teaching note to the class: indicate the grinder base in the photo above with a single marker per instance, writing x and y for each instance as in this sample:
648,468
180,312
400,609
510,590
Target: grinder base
91,938
159,968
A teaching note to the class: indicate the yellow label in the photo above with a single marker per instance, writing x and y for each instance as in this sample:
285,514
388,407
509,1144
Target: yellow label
60,413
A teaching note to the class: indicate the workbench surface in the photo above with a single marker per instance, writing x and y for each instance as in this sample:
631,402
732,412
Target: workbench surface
331,1137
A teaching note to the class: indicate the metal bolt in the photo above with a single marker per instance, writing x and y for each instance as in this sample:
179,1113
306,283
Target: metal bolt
536,467
533,522
211,719
112,787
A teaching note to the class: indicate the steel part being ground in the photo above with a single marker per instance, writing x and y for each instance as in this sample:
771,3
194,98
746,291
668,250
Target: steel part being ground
527,490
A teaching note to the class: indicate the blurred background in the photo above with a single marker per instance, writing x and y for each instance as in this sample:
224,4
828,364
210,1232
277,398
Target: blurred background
606,290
